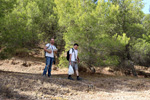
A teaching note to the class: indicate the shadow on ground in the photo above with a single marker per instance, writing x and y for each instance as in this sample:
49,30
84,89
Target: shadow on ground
14,84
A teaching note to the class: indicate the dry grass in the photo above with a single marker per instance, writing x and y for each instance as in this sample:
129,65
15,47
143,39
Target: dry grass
20,82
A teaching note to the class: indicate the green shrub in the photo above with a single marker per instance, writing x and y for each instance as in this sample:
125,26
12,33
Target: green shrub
140,52
63,61
6,53
9,52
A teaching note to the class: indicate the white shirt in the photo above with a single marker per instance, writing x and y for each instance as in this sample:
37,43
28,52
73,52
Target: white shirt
74,54
52,47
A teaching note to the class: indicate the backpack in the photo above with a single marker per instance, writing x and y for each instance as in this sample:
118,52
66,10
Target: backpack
68,55
45,51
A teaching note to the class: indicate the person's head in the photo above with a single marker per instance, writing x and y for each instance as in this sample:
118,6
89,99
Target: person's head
76,46
52,41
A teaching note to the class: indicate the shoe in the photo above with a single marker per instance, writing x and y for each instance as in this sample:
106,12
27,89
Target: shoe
70,78
79,79
44,75
49,75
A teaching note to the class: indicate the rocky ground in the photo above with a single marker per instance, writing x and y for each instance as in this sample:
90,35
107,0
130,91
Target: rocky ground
21,79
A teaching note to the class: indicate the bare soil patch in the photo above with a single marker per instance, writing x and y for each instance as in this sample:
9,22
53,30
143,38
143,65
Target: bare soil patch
21,79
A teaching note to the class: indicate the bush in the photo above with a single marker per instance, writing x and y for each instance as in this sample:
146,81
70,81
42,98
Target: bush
9,52
6,53
22,52
110,61
113,50
140,52
63,61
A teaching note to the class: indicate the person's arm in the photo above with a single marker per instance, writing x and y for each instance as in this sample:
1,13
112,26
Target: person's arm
56,50
70,59
78,59
70,53
45,49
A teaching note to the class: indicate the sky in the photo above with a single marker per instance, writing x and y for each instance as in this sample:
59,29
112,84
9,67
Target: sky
146,9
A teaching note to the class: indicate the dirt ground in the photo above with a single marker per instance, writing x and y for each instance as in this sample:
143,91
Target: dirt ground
21,79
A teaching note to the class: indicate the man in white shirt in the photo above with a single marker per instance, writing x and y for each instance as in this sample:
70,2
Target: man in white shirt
50,49
74,60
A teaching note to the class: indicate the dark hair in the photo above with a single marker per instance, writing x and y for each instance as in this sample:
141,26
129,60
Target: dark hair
76,44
